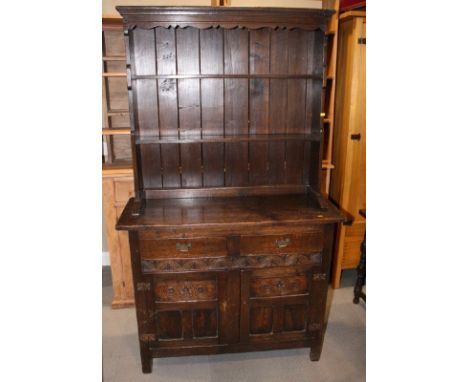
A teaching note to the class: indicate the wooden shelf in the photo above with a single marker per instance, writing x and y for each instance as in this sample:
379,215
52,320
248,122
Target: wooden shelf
116,131
112,24
227,211
327,165
113,58
152,139
117,112
117,168
115,74
226,76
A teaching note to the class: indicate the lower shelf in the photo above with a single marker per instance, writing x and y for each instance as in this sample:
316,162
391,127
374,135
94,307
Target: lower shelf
228,212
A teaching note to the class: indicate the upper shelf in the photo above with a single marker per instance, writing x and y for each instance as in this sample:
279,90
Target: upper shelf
154,139
227,76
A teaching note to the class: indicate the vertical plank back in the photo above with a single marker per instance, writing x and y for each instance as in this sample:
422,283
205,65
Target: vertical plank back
195,84
212,112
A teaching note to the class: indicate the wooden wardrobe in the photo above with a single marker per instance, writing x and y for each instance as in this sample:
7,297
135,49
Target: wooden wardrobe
230,237
348,180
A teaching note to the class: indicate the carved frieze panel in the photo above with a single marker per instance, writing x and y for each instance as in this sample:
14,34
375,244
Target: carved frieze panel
224,263
185,290
278,286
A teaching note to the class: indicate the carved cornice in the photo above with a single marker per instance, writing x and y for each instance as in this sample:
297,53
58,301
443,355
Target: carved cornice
228,18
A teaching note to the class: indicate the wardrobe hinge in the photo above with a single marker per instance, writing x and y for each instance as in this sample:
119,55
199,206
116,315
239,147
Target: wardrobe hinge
361,40
143,286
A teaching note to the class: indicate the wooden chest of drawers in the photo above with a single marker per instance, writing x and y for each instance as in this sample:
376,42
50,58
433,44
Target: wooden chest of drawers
230,238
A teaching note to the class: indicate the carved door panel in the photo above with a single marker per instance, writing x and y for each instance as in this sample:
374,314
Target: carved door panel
278,304
191,308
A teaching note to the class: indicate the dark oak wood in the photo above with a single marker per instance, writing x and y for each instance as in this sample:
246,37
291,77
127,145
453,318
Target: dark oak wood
230,237
361,269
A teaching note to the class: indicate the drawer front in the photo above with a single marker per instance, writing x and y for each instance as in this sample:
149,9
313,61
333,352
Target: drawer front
282,244
278,286
183,248
185,290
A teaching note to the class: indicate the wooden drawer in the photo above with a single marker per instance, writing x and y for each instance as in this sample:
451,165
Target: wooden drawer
278,286
183,248
185,290
282,244
271,282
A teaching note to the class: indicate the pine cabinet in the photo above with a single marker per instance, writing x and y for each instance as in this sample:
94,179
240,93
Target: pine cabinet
348,180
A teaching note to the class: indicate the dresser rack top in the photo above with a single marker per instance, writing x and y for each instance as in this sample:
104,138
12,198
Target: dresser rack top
225,17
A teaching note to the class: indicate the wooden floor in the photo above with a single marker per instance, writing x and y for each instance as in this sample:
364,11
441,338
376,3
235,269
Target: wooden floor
343,356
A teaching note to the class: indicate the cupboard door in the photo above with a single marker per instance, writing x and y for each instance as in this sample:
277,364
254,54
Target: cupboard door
193,309
279,304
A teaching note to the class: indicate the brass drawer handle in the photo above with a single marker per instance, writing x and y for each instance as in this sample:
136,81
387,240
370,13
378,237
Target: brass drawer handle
283,243
182,247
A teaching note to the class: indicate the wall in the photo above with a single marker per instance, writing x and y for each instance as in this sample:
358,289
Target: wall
108,6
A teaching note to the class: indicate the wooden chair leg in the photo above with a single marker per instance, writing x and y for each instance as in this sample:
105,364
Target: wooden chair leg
361,274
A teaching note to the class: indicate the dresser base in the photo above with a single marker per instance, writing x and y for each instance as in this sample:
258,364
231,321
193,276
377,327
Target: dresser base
315,350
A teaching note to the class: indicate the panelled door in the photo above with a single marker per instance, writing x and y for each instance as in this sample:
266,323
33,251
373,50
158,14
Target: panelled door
280,304
194,309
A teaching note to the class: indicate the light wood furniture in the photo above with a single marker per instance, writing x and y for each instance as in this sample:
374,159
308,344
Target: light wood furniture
116,189
348,180
115,114
117,169
230,236
330,86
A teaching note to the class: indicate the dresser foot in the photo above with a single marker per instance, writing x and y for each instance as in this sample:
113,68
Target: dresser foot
315,352
147,365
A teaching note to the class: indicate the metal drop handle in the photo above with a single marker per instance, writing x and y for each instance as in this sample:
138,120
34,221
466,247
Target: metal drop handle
283,243
183,247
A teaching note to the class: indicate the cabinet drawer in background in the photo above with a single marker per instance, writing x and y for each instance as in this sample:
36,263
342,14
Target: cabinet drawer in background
281,244
183,248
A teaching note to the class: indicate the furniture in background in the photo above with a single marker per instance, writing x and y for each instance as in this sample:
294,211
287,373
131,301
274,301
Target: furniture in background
230,237
330,89
117,169
361,269
348,179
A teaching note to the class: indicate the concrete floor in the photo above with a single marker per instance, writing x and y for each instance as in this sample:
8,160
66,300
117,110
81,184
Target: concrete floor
343,355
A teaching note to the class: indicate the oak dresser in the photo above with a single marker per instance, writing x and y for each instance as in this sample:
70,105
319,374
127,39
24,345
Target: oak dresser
229,235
